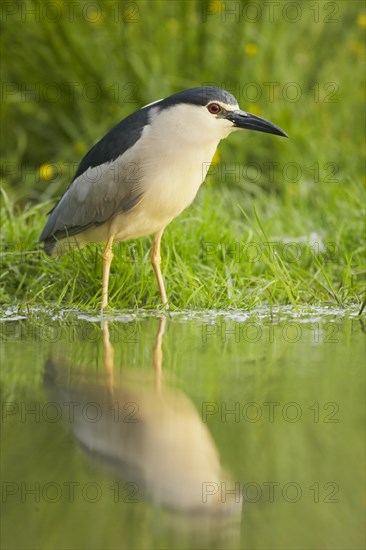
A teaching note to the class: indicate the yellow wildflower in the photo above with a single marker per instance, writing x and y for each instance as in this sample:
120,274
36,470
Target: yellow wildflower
46,171
80,147
361,21
250,49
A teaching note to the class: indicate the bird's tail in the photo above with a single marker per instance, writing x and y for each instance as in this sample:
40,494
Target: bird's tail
53,247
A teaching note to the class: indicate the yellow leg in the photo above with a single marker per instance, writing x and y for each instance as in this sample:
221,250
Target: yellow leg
108,358
158,354
156,261
107,260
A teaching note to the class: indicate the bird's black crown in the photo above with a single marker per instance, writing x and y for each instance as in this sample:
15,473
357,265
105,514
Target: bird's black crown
199,96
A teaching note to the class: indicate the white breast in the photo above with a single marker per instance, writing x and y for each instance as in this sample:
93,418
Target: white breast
175,158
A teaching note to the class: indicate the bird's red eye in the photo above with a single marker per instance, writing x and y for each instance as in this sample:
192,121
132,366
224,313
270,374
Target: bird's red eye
214,108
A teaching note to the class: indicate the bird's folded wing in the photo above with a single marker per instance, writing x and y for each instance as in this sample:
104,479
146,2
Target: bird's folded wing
95,197
107,181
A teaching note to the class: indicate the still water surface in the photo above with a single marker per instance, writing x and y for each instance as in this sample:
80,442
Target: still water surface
210,430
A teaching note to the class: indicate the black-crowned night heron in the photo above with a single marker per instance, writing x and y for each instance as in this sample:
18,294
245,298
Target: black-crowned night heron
144,173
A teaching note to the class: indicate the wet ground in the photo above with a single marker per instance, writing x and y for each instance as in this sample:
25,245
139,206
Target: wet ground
192,430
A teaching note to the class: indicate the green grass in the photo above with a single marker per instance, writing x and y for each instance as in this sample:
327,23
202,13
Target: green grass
231,248
216,255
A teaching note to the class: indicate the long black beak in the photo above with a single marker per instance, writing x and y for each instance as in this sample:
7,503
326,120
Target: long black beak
241,119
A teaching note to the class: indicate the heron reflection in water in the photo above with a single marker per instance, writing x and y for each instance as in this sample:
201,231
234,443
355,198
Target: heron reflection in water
146,433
